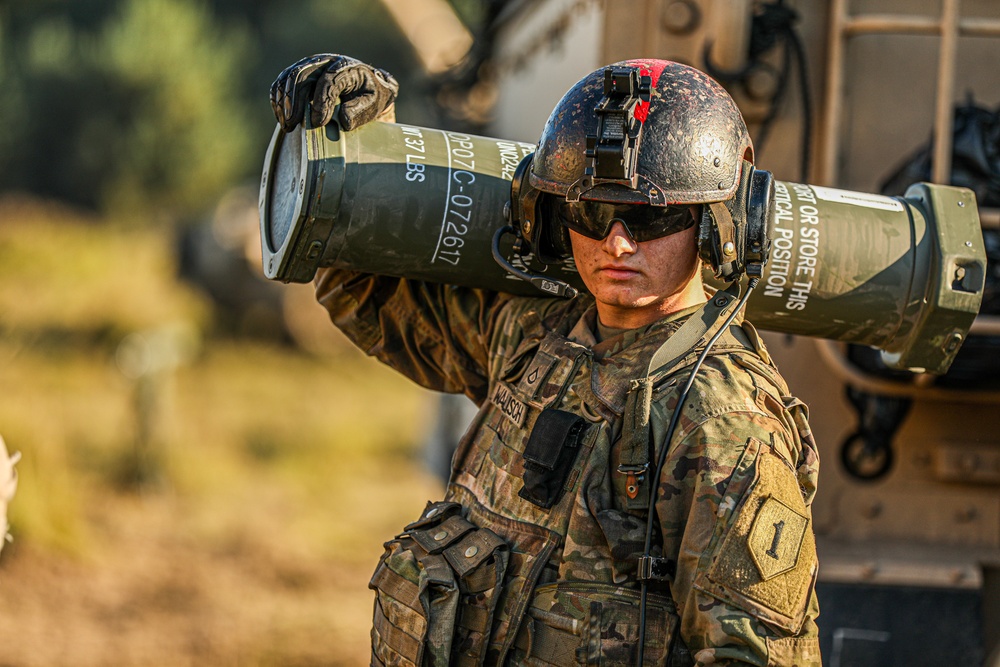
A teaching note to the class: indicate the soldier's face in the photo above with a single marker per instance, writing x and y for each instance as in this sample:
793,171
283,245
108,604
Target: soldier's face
638,283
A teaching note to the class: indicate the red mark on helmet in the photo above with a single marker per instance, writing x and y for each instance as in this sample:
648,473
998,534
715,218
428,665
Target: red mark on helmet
652,69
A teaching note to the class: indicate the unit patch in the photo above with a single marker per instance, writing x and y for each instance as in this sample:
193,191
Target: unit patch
776,538
509,405
766,561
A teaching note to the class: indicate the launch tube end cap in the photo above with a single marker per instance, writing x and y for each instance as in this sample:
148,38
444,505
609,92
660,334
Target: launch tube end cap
934,330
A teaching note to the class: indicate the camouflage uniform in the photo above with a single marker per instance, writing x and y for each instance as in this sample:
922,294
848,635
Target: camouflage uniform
532,558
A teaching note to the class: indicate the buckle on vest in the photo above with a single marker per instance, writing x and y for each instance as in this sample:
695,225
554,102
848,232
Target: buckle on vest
659,569
635,475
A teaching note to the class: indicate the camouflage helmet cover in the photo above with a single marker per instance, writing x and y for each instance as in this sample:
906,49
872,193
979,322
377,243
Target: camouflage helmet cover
692,147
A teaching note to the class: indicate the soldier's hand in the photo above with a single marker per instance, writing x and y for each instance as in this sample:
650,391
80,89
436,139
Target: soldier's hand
364,92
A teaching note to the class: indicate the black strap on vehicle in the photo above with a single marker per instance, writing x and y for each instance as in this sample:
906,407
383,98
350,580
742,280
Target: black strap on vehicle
773,27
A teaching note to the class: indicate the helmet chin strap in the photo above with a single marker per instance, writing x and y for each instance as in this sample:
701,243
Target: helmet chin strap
545,284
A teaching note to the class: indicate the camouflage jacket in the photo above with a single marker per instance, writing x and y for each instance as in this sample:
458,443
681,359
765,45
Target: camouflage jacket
733,524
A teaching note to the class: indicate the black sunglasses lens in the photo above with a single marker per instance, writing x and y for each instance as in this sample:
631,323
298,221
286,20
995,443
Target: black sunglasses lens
651,222
644,223
592,219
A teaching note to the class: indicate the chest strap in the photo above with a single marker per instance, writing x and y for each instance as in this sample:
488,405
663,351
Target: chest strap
636,438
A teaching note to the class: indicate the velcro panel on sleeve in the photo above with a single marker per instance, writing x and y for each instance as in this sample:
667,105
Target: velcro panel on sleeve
785,651
767,563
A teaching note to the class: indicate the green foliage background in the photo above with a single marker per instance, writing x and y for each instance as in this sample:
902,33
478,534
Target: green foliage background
157,106
226,509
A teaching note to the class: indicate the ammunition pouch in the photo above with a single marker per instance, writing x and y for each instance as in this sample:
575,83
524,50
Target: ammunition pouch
436,589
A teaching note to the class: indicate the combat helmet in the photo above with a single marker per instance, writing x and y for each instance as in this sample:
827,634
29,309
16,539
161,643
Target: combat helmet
648,132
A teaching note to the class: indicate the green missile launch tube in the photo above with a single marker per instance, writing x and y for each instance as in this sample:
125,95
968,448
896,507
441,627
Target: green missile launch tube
391,199
904,275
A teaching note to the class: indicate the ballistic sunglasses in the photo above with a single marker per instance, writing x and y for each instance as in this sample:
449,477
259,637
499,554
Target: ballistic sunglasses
642,222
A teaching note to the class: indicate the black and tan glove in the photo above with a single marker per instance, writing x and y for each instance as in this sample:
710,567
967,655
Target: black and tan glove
321,81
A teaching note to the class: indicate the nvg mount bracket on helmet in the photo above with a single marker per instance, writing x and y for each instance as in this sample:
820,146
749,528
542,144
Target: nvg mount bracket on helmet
613,151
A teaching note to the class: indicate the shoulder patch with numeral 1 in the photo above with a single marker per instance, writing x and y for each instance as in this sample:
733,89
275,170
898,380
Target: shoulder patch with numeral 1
766,564
776,538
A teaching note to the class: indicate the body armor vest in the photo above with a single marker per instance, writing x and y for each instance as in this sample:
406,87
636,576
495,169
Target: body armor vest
533,555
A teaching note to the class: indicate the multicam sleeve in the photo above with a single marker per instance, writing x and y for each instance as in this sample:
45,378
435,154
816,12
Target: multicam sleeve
734,508
437,335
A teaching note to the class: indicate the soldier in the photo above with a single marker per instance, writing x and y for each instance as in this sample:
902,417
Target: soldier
636,485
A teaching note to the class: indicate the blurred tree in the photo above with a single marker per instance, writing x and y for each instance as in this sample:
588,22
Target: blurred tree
133,111
11,101
169,136
159,106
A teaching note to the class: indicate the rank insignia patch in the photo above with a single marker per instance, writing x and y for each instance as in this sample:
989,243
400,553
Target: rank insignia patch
775,538
537,373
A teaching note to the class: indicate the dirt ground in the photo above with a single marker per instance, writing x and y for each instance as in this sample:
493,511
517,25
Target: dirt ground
270,476
154,592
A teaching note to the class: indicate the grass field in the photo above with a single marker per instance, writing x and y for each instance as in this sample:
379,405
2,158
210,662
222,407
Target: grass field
270,477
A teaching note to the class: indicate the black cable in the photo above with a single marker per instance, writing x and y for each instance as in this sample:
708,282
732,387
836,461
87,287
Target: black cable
779,94
661,461
772,26
781,24
795,42
550,286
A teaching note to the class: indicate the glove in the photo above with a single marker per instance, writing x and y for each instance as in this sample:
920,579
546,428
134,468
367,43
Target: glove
364,92
8,484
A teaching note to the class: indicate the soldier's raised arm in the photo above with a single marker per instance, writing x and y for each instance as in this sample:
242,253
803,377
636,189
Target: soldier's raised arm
437,336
